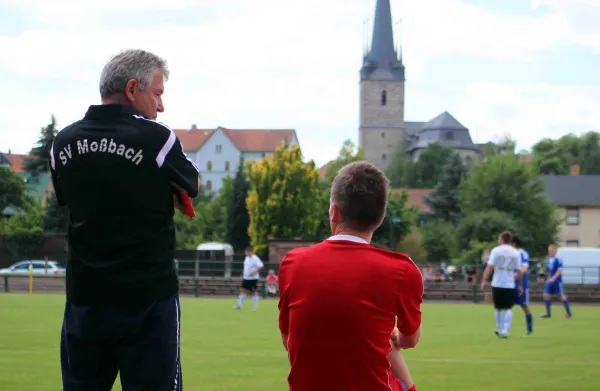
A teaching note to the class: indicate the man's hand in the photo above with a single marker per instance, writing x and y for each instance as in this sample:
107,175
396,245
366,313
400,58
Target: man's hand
483,285
395,338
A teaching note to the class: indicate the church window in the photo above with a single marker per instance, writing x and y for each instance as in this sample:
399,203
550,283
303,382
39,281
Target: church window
383,98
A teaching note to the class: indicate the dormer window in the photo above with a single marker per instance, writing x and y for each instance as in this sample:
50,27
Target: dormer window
449,136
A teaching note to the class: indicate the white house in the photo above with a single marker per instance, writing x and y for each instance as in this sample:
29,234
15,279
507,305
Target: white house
217,152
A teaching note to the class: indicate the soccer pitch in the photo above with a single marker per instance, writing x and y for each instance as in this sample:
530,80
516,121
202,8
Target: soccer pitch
223,349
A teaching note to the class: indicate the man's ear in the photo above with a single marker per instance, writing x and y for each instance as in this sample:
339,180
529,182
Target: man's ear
130,89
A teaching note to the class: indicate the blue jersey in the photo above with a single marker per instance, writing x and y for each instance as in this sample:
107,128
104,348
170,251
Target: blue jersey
554,265
524,261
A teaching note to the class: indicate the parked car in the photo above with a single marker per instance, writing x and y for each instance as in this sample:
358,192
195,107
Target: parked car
39,267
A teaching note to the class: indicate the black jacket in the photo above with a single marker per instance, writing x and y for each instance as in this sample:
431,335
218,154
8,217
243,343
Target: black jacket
113,169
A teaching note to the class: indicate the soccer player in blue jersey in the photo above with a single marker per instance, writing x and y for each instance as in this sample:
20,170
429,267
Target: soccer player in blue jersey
554,284
523,298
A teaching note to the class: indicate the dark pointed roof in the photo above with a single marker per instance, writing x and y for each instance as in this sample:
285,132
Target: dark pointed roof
573,190
444,121
381,61
443,129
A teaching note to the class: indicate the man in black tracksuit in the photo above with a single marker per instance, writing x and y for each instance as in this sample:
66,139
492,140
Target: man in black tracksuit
116,170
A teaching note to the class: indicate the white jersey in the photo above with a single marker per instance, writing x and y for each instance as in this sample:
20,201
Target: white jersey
252,264
506,261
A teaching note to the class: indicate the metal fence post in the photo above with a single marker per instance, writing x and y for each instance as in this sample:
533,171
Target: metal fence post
475,299
6,284
196,293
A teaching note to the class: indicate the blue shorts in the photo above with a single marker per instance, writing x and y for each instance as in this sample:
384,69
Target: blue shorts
142,344
522,299
554,288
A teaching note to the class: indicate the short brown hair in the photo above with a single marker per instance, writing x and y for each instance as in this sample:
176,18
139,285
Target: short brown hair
506,237
249,248
360,191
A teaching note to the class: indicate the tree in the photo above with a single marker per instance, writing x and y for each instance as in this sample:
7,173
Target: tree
238,219
216,228
505,184
590,154
445,199
439,240
413,246
40,160
504,146
284,198
23,232
12,190
484,227
425,173
348,154
398,222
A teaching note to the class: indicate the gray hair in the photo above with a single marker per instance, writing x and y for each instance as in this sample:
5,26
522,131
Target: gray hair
130,64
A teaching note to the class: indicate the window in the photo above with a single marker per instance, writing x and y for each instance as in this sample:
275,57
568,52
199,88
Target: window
572,243
208,185
382,134
449,135
383,98
23,266
219,148
573,216
227,166
383,157
209,165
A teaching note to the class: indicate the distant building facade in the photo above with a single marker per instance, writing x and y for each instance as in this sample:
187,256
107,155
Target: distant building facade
577,198
382,126
217,152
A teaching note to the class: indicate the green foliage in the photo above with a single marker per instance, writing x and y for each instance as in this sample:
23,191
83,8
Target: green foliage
423,174
398,222
445,199
484,227
238,219
472,256
556,156
40,160
216,230
284,198
23,232
505,184
12,190
439,240
413,246
505,146
348,154
324,229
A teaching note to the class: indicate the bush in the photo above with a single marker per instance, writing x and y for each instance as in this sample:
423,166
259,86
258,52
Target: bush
412,245
484,227
439,240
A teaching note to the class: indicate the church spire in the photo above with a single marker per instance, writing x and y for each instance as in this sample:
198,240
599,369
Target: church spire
381,61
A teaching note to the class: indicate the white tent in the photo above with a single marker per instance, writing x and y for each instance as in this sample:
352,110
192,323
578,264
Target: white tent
216,246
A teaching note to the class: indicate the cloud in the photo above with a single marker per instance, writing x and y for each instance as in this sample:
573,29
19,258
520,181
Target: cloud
272,63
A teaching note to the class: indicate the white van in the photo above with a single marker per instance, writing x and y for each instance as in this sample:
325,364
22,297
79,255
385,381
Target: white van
581,265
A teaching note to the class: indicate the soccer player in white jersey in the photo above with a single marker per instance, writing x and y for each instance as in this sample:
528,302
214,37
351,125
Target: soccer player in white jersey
252,266
505,261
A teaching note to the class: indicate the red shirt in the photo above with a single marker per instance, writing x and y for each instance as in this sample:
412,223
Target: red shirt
338,304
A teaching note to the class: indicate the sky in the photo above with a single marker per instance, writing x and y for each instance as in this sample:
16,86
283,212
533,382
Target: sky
527,69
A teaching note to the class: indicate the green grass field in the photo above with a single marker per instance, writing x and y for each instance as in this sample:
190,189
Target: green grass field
223,349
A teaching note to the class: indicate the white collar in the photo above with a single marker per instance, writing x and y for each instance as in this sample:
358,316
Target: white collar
350,238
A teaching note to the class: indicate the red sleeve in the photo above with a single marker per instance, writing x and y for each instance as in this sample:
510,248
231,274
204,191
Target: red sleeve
284,312
411,298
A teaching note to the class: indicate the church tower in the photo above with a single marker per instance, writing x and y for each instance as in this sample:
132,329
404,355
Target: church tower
381,92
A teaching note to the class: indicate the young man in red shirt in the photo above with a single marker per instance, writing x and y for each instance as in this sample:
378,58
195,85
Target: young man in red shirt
341,299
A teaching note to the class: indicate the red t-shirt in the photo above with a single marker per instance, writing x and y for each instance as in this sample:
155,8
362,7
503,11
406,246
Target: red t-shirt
338,304
271,278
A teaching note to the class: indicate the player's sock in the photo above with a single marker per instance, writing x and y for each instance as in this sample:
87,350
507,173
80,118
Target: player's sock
529,321
507,321
567,308
255,301
548,303
498,321
501,325
241,300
